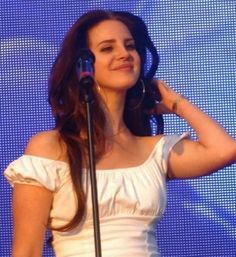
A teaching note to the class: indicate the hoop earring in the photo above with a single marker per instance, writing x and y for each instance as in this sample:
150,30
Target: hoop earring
98,87
142,97
101,94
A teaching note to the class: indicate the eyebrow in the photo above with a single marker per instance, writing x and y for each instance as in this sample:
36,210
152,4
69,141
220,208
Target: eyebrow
113,41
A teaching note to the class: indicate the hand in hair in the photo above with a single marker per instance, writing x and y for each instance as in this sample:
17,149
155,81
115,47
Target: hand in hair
169,99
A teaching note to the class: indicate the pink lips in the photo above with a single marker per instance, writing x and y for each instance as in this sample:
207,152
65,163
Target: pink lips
124,67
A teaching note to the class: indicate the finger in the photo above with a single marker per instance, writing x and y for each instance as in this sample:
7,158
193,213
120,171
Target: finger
161,109
163,85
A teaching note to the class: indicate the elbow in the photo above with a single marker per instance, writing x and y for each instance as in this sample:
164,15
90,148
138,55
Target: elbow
228,155
234,153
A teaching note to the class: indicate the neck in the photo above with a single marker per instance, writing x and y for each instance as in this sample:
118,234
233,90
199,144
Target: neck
115,108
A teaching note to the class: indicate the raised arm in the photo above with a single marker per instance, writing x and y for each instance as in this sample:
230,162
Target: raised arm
214,147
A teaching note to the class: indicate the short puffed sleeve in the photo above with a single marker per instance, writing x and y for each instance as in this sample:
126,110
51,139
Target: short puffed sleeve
168,142
33,170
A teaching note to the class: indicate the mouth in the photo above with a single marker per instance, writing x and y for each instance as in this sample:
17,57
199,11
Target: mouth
124,67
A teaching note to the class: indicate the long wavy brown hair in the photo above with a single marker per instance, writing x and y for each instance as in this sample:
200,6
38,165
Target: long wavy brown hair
70,112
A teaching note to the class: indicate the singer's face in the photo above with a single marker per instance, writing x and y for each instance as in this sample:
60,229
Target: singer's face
117,64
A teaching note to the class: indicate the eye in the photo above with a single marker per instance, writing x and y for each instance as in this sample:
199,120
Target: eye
131,46
106,49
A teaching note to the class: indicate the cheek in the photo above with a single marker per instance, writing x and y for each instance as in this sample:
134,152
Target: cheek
101,75
138,63
101,68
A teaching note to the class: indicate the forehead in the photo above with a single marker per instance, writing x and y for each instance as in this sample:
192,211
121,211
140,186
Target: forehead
108,29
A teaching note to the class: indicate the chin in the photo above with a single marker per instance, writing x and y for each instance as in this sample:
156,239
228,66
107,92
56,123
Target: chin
126,83
119,83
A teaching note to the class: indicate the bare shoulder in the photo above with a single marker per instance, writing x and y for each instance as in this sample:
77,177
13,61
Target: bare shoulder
152,140
149,142
46,144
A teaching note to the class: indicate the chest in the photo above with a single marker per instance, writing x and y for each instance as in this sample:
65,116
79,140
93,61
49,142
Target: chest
128,192
124,155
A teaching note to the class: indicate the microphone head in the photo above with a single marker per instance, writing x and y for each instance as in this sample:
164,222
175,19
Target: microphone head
86,54
85,67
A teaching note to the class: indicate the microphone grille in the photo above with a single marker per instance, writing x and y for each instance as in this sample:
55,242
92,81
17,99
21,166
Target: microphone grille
86,54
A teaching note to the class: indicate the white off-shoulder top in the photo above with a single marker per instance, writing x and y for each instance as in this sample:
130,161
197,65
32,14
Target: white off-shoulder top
131,201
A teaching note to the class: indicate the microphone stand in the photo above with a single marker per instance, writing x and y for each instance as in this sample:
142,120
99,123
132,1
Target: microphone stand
87,94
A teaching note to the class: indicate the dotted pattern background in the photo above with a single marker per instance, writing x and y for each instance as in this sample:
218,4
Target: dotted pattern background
196,41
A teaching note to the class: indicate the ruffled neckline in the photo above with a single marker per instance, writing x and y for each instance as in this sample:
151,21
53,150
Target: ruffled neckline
63,163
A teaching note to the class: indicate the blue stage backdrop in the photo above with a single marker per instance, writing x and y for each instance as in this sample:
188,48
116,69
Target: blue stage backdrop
196,42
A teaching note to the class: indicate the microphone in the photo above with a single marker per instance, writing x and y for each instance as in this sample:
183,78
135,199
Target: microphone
85,68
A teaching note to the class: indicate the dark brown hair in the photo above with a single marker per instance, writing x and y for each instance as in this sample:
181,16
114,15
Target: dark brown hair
69,111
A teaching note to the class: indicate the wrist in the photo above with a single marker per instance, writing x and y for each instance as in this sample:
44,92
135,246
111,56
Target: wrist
177,102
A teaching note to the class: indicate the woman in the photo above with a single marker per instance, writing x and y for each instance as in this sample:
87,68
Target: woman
50,180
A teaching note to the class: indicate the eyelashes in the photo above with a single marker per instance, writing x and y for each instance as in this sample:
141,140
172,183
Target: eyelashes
108,49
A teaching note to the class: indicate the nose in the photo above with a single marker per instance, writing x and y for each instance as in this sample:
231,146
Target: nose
123,53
